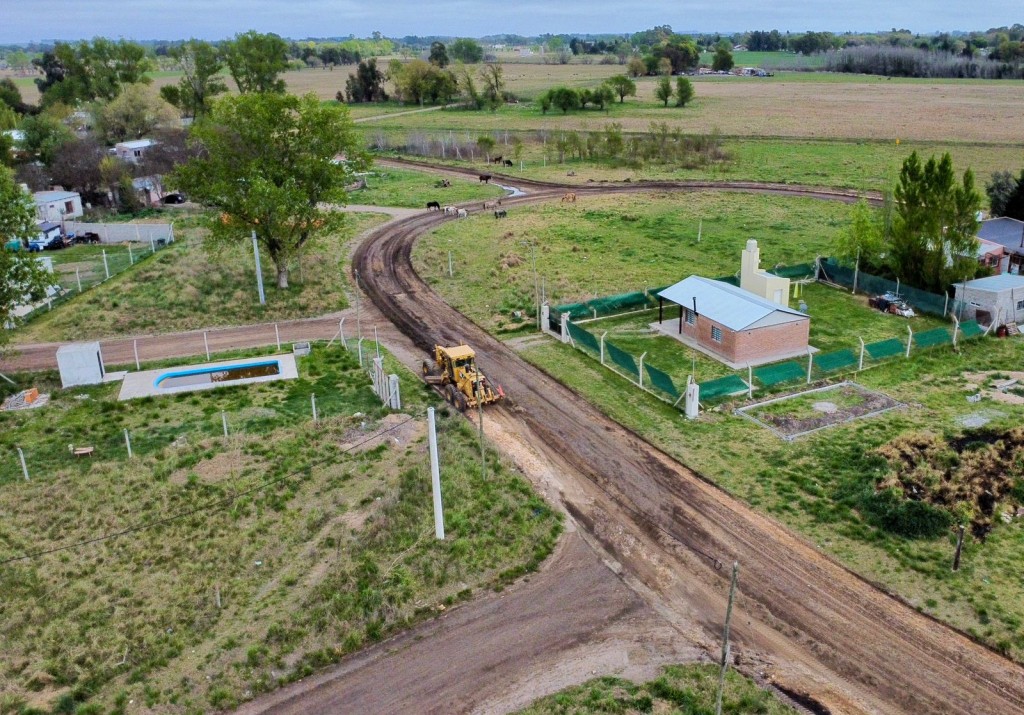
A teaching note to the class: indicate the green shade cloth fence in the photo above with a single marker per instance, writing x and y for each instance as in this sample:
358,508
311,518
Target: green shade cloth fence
769,375
621,303
970,329
661,380
622,359
582,337
885,348
723,386
931,338
834,361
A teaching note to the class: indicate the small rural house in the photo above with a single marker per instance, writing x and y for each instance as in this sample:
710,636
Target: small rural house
761,283
995,299
1008,233
731,324
55,206
991,255
133,151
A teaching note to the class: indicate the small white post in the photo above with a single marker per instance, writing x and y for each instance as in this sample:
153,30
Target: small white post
224,421
860,365
945,306
359,345
897,286
810,364
131,259
78,277
394,395
341,333
910,339
602,345
152,244
277,336
259,270
450,267
565,327
206,344
956,327
435,475
128,442
375,341
640,372
700,229
24,467
137,237
312,401
135,347
750,382
106,268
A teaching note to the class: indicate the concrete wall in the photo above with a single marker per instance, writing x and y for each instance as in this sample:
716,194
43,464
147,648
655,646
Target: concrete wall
758,282
121,232
1001,305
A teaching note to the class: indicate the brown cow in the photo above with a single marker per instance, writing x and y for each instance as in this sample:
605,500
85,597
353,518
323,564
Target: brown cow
569,198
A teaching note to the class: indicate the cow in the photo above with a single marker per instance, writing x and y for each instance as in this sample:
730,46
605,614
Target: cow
570,198
508,162
442,184
462,213
497,160
450,210
492,204
485,178
500,213
433,206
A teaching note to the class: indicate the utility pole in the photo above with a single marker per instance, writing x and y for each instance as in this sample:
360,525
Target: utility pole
480,410
725,638
435,475
359,324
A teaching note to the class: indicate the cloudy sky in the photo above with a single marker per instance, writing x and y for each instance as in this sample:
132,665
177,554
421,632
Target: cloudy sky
25,20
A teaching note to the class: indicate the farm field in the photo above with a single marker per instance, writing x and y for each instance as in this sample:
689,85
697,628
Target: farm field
823,485
413,189
184,287
307,542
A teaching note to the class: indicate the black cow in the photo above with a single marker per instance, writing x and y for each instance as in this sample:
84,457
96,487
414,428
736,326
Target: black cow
485,178
508,162
434,205
500,213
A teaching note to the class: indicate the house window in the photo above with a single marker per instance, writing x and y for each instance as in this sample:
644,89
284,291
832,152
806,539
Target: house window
716,333
138,153
1020,305
69,207
691,317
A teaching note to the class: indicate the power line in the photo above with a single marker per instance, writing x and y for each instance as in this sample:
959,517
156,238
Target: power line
217,505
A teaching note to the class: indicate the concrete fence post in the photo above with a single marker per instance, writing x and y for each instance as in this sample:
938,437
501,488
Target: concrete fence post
394,393
341,333
603,335
640,372
359,345
910,339
810,364
106,266
750,382
24,467
135,347
206,344
565,327
545,317
224,422
860,365
128,442
78,277
435,475
956,327
312,402
277,336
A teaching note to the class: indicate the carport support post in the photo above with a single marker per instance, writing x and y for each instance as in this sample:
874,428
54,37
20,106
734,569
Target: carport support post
435,475
106,268
910,339
24,467
135,347
640,372
128,442
206,344
259,270
860,364
725,638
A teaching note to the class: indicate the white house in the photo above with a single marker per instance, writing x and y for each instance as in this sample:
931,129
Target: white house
55,206
134,150
995,299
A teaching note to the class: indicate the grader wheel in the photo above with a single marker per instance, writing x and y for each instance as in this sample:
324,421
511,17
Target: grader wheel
427,368
461,403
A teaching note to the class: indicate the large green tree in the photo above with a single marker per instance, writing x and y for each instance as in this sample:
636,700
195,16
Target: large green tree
438,54
88,71
466,50
663,90
44,135
722,61
256,60
200,82
270,163
1006,194
136,112
21,276
934,233
622,86
861,243
684,91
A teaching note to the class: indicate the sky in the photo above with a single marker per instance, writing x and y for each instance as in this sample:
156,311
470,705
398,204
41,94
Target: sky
27,20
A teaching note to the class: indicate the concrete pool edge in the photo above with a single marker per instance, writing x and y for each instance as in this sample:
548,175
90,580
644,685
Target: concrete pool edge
143,383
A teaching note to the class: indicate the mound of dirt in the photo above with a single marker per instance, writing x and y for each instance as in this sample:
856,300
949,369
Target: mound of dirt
976,472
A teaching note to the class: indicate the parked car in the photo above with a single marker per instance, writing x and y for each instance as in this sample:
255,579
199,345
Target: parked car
175,198
53,243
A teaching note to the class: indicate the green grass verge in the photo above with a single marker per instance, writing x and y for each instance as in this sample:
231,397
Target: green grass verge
336,553
413,189
185,287
684,689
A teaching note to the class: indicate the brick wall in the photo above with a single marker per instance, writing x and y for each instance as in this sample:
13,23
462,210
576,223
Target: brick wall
750,345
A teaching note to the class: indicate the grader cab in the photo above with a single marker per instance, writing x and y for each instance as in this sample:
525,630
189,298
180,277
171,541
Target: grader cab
455,372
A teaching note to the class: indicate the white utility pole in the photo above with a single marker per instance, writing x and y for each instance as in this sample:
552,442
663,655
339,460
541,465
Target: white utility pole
259,270
435,475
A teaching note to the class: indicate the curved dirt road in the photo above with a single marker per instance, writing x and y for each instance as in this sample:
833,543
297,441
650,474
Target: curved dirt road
815,627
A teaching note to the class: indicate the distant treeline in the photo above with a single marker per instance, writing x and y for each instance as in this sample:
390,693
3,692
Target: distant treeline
913,62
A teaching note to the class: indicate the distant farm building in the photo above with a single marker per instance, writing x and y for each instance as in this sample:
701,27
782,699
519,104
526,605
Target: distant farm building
133,151
996,299
731,324
53,206
1008,233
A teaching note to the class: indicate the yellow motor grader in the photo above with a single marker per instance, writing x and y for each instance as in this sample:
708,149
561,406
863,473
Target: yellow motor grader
455,372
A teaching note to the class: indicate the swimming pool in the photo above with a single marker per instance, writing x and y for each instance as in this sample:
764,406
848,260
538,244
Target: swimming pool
217,374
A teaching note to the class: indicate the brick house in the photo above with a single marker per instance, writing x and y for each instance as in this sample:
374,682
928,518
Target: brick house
730,324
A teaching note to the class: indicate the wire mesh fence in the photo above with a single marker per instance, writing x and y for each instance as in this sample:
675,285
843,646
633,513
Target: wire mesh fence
867,283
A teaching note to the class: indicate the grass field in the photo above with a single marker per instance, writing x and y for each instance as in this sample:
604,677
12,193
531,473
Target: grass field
308,543
413,189
679,689
184,287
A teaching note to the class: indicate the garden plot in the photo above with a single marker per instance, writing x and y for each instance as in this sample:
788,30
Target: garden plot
797,415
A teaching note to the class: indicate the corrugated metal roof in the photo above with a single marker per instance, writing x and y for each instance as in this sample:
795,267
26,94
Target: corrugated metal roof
1004,281
136,143
44,196
725,304
1008,232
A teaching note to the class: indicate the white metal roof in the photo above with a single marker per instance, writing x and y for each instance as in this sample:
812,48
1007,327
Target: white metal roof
726,304
42,197
137,143
995,284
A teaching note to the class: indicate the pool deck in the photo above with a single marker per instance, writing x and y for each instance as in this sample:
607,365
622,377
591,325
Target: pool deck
143,384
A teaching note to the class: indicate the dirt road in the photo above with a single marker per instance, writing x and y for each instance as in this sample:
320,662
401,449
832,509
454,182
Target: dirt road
813,626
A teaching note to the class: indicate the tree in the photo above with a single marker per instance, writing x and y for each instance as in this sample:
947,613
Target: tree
684,91
269,163
466,50
565,98
722,61
1004,190
622,86
44,134
21,274
86,71
636,67
10,96
602,96
663,90
935,226
200,66
494,85
367,84
665,66
255,60
862,241
134,114
438,54
76,167
485,144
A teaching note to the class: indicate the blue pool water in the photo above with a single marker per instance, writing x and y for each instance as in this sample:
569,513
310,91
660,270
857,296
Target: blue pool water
207,375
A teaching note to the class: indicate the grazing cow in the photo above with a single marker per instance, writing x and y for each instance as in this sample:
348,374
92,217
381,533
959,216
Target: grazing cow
433,206
497,160
462,213
450,210
508,162
492,204
485,178
500,213
442,184
569,198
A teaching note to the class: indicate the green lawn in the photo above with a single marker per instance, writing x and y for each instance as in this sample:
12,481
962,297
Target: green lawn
312,547
413,189
185,287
